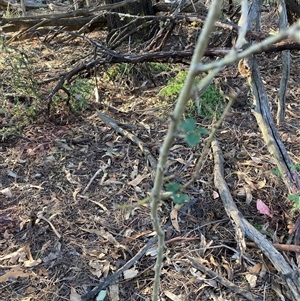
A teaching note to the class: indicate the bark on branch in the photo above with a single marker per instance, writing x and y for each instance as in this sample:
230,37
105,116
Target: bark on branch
243,228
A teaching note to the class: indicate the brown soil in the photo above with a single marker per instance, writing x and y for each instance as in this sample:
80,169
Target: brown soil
95,232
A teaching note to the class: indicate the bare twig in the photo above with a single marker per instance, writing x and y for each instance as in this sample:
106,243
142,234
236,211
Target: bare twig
168,141
95,175
113,124
285,67
223,280
40,216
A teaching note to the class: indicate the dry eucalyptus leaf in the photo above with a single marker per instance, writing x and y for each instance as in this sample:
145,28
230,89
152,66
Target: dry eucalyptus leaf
261,184
14,273
10,173
32,263
249,196
138,180
114,292
252,279
106,268
15,255
256,268
256,160
174,220
6,192
51,256
172,296
198,275
131,273
63,145
97,267
152,252
74,296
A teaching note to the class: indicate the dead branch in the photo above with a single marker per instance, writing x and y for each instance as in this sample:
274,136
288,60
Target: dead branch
266,124
109,56
195,7
87,20
280,247
70,20
225,282
44,26
243,227
114,125
4,4
285,67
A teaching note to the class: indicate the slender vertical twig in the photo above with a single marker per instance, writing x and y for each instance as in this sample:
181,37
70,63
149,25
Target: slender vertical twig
167,144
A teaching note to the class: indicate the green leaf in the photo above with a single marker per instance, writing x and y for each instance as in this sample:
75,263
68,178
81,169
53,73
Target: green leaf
293,197
173,187
180,198
296,166
276,172
296,199
202,131
188,125
192,139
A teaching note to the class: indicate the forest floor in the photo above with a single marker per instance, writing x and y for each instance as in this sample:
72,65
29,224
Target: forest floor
62,235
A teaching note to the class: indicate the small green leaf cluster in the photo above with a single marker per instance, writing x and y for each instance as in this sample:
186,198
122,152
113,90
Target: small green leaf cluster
159,67
295,198
18,74
81,92
140,71
296,166
117,71
276,172
178,197
20,98
193,134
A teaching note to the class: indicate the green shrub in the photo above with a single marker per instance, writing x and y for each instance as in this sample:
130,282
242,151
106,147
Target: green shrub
81,93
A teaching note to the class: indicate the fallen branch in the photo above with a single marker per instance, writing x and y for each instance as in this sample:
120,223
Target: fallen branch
266,124
112,57
285,67
113,124
280,247
289,277
230,285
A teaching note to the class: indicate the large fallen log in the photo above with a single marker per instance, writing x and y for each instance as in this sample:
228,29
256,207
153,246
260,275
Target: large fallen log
87,18
68,24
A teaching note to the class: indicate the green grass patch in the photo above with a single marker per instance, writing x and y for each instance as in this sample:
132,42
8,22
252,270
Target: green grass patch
209,105
139,71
